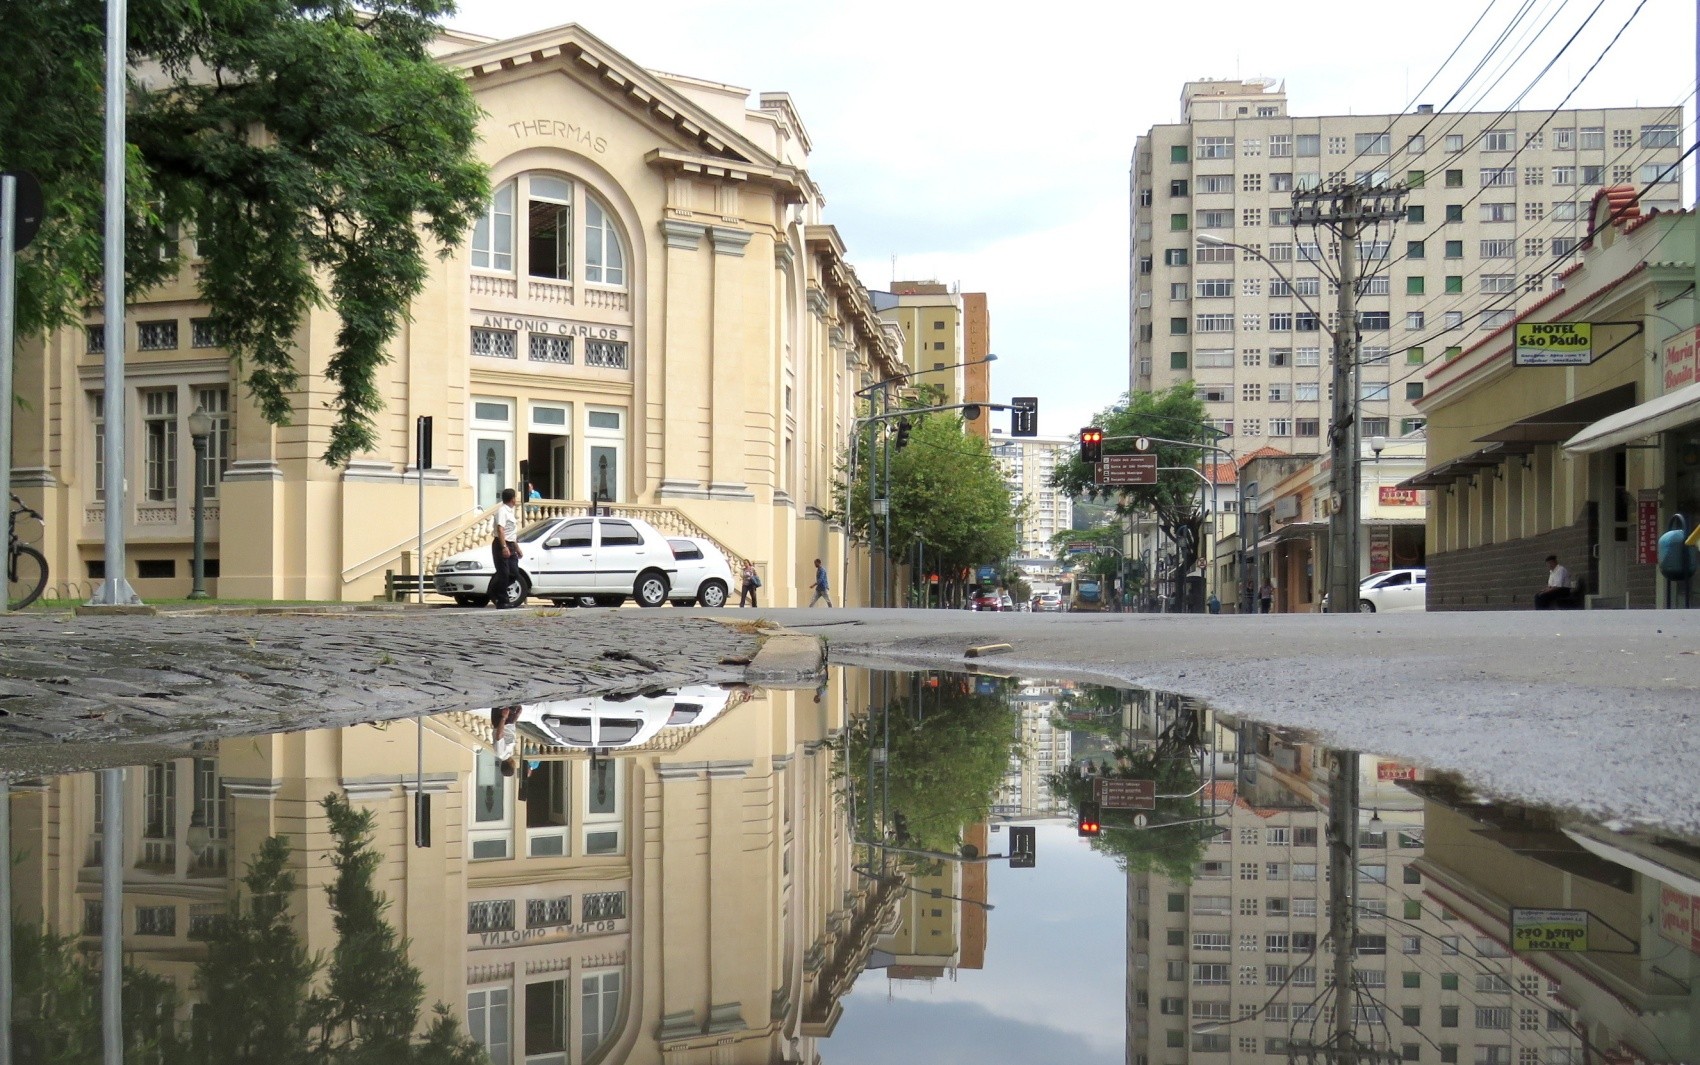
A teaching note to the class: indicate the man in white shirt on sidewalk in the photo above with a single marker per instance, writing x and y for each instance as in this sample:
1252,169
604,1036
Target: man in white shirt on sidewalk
1557,591
504,550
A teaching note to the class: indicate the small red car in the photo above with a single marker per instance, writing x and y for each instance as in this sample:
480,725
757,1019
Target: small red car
988,601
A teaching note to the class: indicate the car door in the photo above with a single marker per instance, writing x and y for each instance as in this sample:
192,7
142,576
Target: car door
620,553
569,560
1396,593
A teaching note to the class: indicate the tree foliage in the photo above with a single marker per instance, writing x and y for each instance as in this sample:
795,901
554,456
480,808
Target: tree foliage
313,147
948,494
1175,501
946,751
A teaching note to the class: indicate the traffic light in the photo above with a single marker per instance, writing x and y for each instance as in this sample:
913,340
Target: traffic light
1091,445
900,826
902,433
1087,824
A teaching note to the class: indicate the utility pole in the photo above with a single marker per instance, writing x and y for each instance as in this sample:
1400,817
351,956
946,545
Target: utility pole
1345,209
1343,889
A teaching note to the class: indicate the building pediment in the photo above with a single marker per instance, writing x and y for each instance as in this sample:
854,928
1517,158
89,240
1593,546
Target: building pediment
622,81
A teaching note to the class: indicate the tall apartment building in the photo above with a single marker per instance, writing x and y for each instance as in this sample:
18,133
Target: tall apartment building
1027,464
1497,203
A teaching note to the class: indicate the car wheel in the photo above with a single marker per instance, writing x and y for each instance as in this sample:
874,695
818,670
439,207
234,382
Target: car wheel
518,591
1365,606
604,600
473,600
712,595
565,603
650,589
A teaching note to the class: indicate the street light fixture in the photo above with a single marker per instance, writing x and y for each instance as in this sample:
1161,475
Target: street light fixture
200,427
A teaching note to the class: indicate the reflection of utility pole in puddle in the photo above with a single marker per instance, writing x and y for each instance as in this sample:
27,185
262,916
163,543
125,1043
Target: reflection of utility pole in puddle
1343,1047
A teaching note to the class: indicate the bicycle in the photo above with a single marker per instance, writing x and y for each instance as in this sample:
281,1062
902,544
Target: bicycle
26,567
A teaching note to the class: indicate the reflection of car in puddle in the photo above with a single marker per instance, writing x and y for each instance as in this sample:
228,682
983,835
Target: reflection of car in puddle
626,719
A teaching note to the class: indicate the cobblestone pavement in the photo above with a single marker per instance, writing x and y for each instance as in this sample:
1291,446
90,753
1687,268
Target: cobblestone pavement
78,683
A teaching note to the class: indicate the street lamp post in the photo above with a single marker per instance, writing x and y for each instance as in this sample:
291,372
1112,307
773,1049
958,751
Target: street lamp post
200,427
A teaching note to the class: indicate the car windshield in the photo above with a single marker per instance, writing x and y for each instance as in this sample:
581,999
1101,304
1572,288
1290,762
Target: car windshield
536,530
1088,587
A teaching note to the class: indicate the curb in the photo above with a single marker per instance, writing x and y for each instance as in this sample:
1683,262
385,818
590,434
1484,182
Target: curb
788,660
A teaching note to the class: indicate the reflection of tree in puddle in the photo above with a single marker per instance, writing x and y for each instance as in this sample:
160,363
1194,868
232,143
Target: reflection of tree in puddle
263,996
926,760
1170,838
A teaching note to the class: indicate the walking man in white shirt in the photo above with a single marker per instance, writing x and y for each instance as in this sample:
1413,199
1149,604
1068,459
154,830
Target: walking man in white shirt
1557,591
504,552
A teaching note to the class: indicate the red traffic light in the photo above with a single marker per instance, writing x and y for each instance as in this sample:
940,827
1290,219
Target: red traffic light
1091,445
1087,824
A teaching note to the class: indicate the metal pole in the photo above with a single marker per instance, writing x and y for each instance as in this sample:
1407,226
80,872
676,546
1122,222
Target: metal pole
6,922
1342,888
873,468
1343,521
8,324
890,570
115,588
112,916
419,460
199,590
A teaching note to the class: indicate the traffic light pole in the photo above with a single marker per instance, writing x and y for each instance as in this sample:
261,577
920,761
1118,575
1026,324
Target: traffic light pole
1211,481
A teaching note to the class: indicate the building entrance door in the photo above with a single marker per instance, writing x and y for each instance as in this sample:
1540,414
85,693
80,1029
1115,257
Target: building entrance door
490,453
549,468
1611,475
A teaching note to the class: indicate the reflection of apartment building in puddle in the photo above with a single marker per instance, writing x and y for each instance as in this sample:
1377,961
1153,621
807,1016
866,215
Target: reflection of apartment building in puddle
1237,962
930,937
1045,748
690,895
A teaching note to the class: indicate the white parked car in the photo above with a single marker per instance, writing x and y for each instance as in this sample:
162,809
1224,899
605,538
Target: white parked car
603,559
608,722
704,575
1393,590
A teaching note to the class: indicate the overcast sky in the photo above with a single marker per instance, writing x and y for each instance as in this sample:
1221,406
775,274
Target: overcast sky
988,145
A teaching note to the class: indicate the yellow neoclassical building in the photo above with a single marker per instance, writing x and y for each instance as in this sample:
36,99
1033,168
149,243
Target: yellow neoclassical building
690,897
652,310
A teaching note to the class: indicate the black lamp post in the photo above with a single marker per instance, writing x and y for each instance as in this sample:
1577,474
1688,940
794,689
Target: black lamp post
200,427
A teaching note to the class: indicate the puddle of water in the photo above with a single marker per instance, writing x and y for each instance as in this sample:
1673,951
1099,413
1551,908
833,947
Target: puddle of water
742,875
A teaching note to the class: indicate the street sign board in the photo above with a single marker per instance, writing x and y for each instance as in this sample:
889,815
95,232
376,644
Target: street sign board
1023,846
1549,929
1554,344
1119,793
30,207
1076,547
1024,416
1128,469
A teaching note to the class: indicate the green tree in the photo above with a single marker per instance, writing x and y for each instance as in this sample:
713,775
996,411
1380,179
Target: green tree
946,751
1175,501
948,494
56,1005
314,147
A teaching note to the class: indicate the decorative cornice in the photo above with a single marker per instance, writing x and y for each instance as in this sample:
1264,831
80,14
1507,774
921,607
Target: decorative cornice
679,489
686,236
730,490
783,256
252,788
253,470
729,241
818,305
33,477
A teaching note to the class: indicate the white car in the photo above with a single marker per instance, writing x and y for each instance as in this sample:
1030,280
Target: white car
608,722
605,559
1393,590
704,576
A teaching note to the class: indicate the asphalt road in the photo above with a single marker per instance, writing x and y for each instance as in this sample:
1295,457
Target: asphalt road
1597,712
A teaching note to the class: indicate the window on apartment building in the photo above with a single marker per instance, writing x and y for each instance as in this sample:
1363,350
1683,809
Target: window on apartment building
1306,427
1593,175
1662,135
1215,147
1499,282
1309,144
1563,245
1307,357
1177,360
1177,327
1498,212
1177,153
1214,323
1281,182
1454,179
1177,223
1498,140
1415,249
1216,219
1374,321
1280,145
1592,137
1375,427
1534,282
1174,256
1414,355
157,336
1498,249
1212,287
1305,391
1178,187
1534,211
1280,356
1454,142
1534,175
1454,249
1373,143
1414,145
1178,290
1215,183
1564,175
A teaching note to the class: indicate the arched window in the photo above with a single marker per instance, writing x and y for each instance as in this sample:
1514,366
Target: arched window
604,258
550,204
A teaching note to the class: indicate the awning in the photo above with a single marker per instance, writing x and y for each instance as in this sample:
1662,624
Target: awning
1561,422
1444,473
1642,420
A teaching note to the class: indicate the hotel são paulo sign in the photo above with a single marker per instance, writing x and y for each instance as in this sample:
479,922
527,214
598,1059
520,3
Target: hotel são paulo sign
1554,344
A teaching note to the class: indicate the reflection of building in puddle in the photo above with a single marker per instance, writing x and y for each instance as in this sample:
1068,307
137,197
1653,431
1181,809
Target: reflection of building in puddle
690,892
939,924
1046,747
1635,988
1238,961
